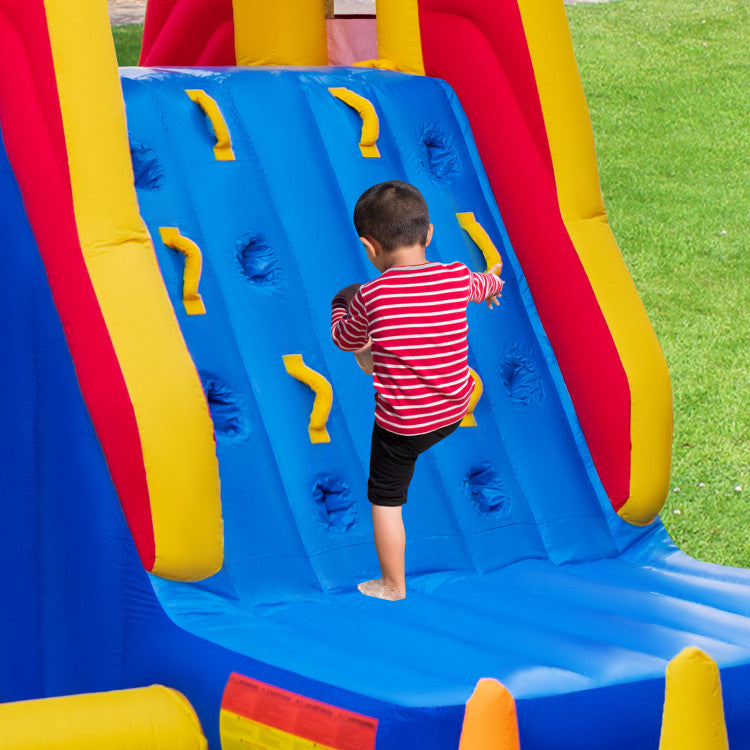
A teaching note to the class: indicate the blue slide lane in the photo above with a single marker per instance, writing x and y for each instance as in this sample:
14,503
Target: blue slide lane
517,568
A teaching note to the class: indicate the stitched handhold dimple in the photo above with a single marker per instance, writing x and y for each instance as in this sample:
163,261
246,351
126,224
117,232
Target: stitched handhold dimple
521,379
147,171
436,153
225,407
257,260
487,491
334,503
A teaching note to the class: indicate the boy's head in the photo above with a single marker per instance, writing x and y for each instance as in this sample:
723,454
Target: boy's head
394,214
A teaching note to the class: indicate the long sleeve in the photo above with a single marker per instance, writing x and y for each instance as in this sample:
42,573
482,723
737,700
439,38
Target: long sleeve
484,285
349,325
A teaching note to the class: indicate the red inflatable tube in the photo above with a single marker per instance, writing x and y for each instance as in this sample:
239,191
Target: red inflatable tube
32,130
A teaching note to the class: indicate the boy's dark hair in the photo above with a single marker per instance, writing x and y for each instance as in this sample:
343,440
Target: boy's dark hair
393,213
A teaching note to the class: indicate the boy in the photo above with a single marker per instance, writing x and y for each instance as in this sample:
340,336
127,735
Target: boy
414,318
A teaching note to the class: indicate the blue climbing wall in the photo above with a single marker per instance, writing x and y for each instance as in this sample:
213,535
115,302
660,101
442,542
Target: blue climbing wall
517,567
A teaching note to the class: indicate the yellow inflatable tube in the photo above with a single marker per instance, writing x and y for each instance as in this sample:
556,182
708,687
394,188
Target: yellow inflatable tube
293,32
399,39
155,717
280,32
170,408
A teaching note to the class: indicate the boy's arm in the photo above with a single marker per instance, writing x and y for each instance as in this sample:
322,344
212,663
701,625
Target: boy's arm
486,286
349,320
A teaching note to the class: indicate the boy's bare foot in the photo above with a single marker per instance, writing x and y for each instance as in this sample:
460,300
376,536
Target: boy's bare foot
379,589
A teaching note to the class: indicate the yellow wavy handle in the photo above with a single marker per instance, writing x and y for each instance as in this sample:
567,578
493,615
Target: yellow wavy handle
223,148
193,302
469,420
296,367
370,122
379,64
481,239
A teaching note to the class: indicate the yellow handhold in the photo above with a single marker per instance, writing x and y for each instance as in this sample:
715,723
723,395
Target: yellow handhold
693,716
370,122
296,367
223,148
379,64
481,239
193,302
469,420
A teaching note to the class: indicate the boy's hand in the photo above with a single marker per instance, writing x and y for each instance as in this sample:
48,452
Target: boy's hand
364,358
495,299
348,292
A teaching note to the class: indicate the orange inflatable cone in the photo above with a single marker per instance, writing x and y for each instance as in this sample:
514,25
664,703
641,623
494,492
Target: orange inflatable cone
490,721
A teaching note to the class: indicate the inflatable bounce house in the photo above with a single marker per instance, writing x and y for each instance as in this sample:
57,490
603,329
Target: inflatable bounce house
184,452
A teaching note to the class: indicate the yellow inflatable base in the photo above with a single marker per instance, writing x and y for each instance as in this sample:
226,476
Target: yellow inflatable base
155,717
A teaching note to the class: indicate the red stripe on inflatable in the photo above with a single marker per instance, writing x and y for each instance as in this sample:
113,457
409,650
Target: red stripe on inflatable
219,46
188,32
33,133
480,49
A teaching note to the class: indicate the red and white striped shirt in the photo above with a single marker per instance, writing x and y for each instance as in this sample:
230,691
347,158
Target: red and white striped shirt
416,318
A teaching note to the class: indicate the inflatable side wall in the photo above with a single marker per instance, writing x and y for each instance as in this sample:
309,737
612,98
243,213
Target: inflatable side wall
137,378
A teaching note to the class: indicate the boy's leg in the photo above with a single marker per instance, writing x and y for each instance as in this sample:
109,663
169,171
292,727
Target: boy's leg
390,544
392,460
391,469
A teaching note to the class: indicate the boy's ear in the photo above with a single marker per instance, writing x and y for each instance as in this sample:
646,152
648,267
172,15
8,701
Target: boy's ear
429,235
372,246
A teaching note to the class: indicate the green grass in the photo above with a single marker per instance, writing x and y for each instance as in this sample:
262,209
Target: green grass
127,44
666,84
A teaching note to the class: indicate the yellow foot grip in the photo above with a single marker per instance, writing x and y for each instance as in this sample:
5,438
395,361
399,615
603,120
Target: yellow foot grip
469,420
693,708
370,122
296,367
481,239
193,302
223,148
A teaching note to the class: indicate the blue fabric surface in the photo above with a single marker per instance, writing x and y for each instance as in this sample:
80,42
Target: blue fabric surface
517,567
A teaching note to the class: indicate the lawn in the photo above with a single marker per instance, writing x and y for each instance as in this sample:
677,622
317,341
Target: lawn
666,84
127,44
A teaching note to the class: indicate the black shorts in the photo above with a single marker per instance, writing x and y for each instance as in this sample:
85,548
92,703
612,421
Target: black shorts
392,460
